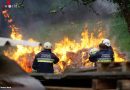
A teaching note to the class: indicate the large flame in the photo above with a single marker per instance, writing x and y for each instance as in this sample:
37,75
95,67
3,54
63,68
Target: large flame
23,55
71,53
74,54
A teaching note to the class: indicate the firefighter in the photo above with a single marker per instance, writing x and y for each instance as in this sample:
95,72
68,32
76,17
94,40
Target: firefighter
104,54
43,62
108,43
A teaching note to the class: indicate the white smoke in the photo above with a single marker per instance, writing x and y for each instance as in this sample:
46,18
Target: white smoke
105,7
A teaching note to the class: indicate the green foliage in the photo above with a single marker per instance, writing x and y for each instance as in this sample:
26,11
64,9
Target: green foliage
119,30
59,5
85,2
122,3
116,1
56,32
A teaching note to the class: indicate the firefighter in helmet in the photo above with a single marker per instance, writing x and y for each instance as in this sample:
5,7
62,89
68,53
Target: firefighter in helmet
108,44
43,62
104,54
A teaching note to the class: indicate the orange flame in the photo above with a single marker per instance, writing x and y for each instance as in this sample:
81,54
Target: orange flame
79,51
23,55
70,52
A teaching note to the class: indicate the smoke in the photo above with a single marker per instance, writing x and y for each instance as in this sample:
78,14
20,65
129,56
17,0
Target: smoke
36,21
105,7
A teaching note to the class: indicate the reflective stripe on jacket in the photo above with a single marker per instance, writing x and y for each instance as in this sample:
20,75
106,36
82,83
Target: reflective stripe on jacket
44,61
102,56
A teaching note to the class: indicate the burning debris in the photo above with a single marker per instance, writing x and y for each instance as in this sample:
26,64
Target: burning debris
80,59
72,54
75,55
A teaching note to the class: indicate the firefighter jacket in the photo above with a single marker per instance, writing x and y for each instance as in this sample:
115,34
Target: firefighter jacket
105,55
44,61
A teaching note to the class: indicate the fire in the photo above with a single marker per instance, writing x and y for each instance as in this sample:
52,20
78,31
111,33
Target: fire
23,55
15,34
74,54
71,53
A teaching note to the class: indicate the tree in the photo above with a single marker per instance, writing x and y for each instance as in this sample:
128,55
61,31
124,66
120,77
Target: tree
124,6
125,10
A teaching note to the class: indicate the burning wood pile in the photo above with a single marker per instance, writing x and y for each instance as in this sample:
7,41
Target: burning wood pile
72,54
77,59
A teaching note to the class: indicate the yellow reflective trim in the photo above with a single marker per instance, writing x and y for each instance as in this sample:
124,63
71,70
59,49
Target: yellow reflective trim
47,61
104,61
44,59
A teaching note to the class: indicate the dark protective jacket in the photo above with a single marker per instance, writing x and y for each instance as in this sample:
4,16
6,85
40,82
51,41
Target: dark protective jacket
105,55
44,61
111,49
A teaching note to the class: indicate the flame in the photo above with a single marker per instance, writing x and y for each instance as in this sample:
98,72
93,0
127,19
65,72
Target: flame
71,53
23,55
77,51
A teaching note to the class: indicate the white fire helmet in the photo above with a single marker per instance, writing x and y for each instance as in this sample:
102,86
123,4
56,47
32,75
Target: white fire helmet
47,45
106,42
93,51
